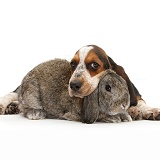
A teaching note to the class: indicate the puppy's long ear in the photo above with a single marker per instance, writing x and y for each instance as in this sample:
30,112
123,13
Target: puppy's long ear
90,108
120,71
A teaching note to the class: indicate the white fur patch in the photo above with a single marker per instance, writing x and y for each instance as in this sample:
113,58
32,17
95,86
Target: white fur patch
83,53
143,106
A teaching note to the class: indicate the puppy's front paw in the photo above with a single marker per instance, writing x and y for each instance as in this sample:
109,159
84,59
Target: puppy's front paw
148,114
35,114
135,113
12,108
152,114
156,113
2,109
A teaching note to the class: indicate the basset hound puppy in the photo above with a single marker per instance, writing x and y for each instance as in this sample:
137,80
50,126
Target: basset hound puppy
87,64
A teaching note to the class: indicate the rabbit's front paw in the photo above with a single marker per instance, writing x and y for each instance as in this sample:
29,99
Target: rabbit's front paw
35,114
135,113
125,117
111,119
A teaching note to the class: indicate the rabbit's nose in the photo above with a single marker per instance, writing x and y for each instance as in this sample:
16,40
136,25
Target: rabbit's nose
75,85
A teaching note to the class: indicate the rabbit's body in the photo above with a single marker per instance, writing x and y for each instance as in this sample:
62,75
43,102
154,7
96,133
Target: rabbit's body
44,94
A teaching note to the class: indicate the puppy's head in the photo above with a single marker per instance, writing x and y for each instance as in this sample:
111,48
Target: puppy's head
87,66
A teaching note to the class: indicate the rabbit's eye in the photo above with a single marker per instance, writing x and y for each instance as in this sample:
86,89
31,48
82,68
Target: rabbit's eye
108,88
94,66
73,65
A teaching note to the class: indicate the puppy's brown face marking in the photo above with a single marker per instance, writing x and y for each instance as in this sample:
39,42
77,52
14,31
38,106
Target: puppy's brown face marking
94,64
75,62
87,66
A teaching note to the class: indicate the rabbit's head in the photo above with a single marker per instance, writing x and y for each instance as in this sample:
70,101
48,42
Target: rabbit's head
110,97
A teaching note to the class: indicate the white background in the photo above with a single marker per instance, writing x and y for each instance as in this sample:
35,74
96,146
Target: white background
35,31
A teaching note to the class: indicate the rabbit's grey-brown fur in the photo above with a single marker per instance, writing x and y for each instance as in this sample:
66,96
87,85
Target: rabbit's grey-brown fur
44,94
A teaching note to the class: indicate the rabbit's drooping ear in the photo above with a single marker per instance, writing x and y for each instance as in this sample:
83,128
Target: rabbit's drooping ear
90,108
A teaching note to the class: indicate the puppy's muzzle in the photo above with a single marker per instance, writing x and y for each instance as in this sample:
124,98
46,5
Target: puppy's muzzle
75,85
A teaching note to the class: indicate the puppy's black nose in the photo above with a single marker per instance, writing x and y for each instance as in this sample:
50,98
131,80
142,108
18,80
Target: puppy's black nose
75,85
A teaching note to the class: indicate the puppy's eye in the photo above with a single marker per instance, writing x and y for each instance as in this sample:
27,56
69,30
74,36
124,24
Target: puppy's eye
108,88
94,66
73,65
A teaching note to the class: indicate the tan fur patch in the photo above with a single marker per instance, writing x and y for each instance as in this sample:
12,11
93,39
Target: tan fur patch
92,57
75,59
